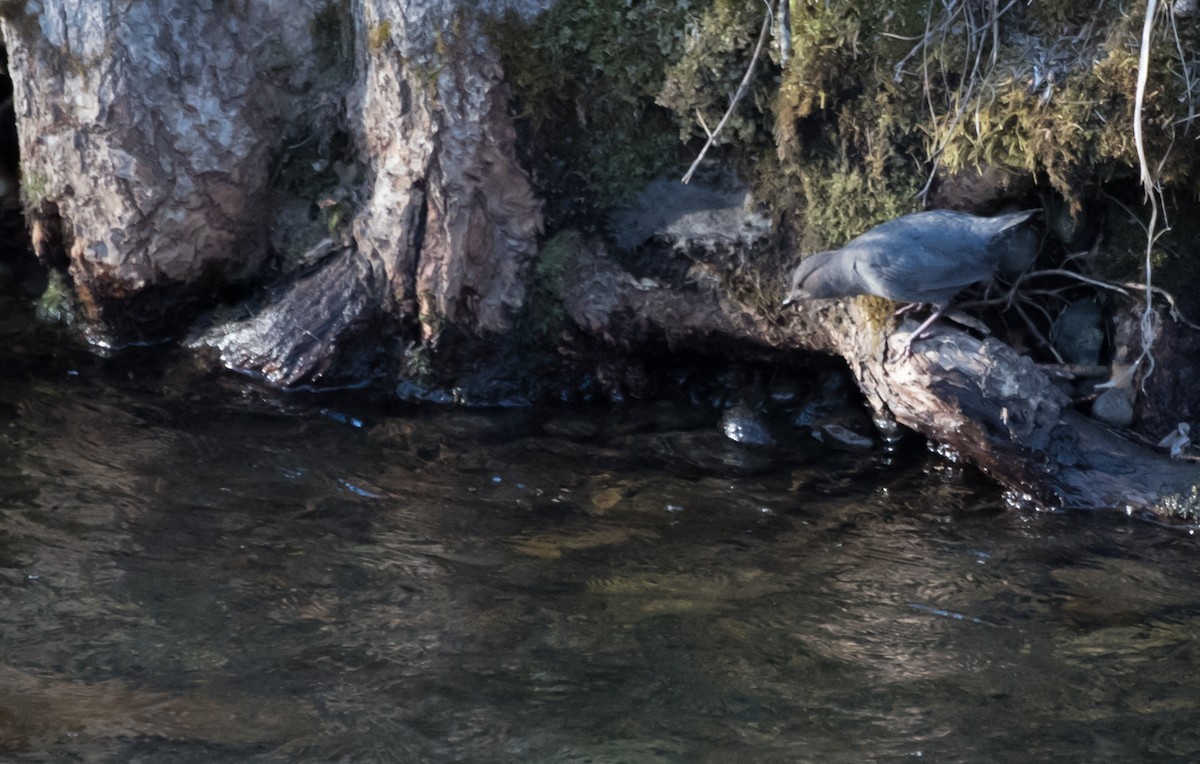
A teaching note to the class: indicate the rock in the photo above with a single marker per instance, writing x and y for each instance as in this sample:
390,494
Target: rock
713,212
837,436
743,425
1079,333
1113,408
784,390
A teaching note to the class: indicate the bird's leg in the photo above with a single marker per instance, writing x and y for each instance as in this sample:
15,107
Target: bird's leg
907,351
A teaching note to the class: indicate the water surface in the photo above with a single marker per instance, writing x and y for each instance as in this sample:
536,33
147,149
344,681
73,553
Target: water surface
195,571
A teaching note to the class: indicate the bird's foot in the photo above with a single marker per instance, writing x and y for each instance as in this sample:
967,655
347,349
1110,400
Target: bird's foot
906,351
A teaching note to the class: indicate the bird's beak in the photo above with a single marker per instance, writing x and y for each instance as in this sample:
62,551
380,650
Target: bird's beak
788,301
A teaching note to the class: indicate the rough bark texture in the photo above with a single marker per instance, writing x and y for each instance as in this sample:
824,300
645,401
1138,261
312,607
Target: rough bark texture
447,208
148,130
317,313
145,130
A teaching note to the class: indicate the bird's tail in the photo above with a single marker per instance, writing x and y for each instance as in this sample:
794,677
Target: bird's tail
1013,219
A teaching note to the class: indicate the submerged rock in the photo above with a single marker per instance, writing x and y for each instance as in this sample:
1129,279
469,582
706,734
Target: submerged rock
837,436
744,425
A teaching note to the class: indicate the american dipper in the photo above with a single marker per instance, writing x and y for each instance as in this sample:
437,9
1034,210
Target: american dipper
925,257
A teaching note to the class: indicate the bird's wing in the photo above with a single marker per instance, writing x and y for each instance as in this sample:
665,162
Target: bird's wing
897,275
902,263
928,256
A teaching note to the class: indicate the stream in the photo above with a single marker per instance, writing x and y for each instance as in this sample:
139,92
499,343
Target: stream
195,570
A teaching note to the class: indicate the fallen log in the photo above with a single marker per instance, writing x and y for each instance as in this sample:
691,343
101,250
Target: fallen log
976,398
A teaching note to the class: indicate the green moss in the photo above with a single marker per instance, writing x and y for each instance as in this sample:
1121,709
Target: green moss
544,316
879,312
585,75
875,98
875,94
1061,106
710,69
57,304
378,35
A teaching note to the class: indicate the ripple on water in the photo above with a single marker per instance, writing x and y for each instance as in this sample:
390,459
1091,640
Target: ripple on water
183,579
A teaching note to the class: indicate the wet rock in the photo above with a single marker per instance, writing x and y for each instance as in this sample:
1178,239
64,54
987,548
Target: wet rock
843,438
1113,408
1079,332
709,213
830,402
743,424
709,453
784,390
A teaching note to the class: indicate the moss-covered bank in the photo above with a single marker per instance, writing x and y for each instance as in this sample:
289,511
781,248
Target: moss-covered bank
873,101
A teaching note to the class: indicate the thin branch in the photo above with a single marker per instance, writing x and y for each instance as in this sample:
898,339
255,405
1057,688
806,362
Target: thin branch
1077,277
741,91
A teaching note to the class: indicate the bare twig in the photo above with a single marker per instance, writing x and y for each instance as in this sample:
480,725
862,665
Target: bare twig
1077,277
741,91
1036,334
1075,370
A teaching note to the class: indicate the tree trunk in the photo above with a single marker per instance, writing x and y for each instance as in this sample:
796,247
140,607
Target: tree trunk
149,131
145,132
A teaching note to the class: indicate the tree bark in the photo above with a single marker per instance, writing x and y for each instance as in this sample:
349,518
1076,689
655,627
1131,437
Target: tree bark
145,130
148,130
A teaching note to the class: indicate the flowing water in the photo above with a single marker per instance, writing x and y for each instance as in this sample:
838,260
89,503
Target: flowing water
192,571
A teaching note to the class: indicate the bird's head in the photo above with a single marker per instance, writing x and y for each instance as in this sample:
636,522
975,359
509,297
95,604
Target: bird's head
808,283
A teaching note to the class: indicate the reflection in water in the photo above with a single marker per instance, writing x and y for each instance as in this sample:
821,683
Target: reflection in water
189,579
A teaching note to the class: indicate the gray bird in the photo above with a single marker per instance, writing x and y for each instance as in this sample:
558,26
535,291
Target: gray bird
926,257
